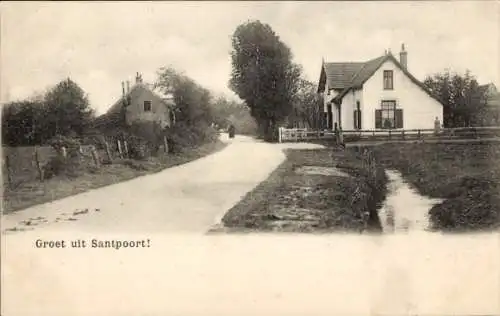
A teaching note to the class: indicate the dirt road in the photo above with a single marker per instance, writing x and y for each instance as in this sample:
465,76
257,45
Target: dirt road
187,198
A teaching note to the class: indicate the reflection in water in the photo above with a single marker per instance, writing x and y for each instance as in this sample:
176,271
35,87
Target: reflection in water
404,208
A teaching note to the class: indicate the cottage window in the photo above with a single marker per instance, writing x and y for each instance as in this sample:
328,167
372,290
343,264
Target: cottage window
147,106
388,80
388,114
388,117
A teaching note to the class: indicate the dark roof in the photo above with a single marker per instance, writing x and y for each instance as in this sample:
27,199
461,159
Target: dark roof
344,77
366,71
339,75
494,100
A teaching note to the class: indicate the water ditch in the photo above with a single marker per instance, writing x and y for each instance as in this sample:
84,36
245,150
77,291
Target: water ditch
404,209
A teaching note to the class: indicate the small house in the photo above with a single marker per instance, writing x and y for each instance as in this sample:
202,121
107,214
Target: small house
377,94
139,103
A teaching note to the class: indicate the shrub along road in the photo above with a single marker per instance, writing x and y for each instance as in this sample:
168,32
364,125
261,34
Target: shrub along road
189,197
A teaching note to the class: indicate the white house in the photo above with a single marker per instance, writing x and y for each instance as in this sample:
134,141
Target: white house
378,94
139,103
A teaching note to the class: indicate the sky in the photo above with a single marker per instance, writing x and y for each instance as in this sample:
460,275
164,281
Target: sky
101,44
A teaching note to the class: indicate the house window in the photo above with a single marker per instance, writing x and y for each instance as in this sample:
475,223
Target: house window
147,106
388,116
388,80
357,116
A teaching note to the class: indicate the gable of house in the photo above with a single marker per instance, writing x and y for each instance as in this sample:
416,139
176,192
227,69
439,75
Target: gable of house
491,93
488,89
159,107
345,77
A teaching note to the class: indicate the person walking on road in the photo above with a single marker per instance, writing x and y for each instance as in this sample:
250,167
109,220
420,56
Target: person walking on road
231,130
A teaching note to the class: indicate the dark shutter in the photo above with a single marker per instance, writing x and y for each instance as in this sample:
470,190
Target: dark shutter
378,118
355,119
399,118
359,119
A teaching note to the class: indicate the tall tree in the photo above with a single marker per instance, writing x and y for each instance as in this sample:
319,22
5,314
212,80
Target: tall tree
463,100
192,100
306,106
22,123
193,112
263,74
68,109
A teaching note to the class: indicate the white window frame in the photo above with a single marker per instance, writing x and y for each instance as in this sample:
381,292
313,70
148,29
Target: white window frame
388,108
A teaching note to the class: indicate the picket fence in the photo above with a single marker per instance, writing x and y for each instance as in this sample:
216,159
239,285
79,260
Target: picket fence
302,134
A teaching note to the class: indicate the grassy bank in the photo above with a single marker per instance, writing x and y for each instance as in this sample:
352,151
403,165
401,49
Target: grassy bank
293,200
32,193
467,176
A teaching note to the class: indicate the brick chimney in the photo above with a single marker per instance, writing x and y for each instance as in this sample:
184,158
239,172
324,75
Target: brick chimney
123,89
403,57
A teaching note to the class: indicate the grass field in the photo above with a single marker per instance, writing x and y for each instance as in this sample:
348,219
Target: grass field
291,201
35,192
467,176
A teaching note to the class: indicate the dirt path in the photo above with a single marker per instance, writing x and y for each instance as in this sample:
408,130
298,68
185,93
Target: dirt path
190,197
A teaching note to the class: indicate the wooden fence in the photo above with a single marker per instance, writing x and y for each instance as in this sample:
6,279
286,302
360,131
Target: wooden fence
27,163
297,135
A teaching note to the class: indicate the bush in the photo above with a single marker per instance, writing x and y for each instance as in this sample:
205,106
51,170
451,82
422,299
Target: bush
144,139
96,140
60,166
472,203
60,141
138,148
183,136
71,165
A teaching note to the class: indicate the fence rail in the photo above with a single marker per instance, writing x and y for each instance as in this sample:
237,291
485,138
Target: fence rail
296,134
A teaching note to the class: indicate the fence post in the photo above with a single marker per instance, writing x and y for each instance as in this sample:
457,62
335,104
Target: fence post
95,155
403,134
108,152
165,144
119,148
7,166
390,134
126,148
419,136
37,163
279,134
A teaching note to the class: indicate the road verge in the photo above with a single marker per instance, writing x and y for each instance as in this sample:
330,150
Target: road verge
33,193
314,190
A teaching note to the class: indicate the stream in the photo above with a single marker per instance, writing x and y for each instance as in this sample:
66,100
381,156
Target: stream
404,209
